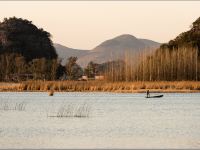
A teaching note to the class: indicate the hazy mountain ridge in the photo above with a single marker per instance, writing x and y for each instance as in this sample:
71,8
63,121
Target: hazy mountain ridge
108,50
65,52
150,43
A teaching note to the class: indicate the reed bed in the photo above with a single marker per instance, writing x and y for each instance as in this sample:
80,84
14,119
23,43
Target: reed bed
181,64
4,86
72,110
6,106
104,86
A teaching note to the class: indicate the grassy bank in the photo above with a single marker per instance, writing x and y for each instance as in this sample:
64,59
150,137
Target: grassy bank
102,86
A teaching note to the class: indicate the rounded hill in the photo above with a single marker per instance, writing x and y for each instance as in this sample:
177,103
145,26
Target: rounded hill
20,36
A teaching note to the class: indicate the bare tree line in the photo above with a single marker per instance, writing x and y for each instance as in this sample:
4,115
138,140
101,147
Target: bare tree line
163,65
15,67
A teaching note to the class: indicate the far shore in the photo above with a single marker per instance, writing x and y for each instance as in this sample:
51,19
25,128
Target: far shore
102,86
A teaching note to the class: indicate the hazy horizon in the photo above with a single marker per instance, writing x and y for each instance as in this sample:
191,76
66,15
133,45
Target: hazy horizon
85,24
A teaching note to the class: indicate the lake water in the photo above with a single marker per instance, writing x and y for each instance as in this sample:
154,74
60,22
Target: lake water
115,121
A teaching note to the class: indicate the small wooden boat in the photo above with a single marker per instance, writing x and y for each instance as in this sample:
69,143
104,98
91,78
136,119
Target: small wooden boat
156,96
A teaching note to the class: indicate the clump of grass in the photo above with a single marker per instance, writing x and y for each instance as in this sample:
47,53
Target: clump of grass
65,111
20,106
71,110
6,106
82,111
51,92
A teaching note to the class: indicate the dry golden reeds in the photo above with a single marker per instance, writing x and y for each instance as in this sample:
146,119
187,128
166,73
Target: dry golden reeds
182,64
104,86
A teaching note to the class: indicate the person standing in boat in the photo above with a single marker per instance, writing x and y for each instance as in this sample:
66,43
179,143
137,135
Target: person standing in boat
148,93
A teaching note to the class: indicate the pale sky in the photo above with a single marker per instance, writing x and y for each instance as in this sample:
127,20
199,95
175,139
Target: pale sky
85,24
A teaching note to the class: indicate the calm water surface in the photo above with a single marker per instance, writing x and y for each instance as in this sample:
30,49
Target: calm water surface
115,121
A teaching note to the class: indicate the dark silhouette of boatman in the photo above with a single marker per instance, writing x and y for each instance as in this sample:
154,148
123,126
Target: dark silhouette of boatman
148,93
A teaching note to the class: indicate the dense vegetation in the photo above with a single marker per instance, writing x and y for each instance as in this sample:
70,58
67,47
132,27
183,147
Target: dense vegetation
174,61
190,38
20,36
14,67
72,70
177,60
26,51
82,86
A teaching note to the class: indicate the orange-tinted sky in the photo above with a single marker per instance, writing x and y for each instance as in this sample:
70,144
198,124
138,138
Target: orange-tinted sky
85,24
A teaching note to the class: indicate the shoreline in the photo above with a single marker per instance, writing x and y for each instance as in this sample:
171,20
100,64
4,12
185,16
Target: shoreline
133,92
102,86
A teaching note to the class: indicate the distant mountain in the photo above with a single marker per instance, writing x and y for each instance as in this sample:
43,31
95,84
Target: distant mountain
120,43
116,48
109,50
150,43
65,52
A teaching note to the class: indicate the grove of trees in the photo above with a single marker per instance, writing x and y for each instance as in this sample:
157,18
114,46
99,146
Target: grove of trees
73,70
174,61
27,52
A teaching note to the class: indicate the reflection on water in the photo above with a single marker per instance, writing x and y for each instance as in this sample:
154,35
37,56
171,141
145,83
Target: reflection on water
114,121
